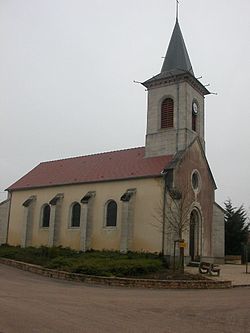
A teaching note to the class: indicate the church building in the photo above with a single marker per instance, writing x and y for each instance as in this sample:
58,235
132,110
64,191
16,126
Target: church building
150,198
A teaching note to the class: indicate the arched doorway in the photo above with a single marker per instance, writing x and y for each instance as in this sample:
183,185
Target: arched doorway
194,236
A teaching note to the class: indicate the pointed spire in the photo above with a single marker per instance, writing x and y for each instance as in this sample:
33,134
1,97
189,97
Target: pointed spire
177,56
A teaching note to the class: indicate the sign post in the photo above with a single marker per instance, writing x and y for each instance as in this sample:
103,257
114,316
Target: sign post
183,244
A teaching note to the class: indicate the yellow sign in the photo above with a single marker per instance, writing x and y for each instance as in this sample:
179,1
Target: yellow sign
183,244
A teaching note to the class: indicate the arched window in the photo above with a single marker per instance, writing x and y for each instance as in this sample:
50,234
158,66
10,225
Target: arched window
194,120
111,213
167,113
75,215
45,216
195,108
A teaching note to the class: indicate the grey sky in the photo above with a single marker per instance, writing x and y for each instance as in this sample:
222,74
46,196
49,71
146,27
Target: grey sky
66,80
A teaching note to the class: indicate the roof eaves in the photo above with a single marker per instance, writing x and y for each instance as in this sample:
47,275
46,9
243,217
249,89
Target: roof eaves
86,182
219,206
175,76
4,202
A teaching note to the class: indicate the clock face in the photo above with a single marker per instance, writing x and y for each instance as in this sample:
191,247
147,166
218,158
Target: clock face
195,108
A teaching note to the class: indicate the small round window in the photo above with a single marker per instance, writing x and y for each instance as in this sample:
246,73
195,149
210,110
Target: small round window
195,180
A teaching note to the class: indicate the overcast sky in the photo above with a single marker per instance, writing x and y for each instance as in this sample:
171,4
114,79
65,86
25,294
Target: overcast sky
66,80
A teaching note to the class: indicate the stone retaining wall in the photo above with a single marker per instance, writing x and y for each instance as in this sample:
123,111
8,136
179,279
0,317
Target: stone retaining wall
119,282
233,260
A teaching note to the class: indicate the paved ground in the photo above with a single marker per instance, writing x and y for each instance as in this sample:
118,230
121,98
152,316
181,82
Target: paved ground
32,303
235,273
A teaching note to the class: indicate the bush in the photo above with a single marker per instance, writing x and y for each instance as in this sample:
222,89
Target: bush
61,263
118,267
103,263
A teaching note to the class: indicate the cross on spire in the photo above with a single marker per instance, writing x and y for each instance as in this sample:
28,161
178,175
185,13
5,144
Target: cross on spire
177,9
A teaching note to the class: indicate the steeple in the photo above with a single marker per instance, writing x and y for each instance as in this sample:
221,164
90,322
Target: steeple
175,102
177,56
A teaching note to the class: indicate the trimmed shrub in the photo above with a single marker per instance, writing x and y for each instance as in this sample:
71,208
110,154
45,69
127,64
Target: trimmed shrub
103,263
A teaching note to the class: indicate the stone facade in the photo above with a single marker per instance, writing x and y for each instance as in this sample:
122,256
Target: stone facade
140,206
86,221
4,215
169,141
198,200
218,234
28,218
134,230
127,224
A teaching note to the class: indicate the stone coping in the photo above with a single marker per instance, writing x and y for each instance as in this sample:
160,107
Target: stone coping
119,282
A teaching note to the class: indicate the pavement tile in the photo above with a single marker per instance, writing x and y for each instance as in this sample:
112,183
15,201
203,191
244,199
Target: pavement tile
235,273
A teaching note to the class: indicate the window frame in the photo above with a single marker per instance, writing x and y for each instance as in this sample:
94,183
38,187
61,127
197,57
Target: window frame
196,181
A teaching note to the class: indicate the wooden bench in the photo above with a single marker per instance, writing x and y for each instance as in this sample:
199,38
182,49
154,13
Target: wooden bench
208,268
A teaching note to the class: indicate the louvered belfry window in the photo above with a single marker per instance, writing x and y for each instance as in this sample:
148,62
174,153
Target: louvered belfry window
167,113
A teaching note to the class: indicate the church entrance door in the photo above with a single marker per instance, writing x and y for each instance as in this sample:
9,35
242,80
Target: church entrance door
194,236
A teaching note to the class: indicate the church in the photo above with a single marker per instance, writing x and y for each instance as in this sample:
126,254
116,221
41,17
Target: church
154,198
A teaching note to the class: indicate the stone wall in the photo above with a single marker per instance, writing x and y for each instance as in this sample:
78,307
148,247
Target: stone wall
120,282
218,234
140,235
168,141
200,199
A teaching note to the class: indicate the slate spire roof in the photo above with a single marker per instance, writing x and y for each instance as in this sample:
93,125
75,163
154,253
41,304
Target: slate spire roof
177,56
176,64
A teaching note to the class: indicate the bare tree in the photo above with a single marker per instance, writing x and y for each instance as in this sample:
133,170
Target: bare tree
178,218
178,206
173,217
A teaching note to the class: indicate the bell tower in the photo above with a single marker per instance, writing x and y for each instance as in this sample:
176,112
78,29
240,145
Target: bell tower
175,114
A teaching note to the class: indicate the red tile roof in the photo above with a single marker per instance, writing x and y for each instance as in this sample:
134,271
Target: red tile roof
116,165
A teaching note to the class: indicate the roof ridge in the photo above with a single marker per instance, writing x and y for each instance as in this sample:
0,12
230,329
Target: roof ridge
94,154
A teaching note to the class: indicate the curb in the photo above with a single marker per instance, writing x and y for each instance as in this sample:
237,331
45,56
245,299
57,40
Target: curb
240,285
116,281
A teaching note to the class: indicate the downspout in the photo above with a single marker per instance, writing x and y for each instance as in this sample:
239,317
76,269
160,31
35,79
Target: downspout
167,178
8,223
164,173
168,185
178,117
